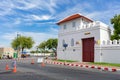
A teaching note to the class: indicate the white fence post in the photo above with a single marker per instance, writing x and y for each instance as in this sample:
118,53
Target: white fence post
114,41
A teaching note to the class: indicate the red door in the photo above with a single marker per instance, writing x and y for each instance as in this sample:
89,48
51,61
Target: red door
88,49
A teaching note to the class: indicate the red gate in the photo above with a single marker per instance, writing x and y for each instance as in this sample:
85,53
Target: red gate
88,49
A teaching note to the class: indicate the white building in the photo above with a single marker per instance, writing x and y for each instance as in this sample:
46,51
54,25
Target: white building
84,38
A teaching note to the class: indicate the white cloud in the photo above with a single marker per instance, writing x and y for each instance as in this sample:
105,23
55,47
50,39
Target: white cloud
11,23
24,5
32,17
5,7
43,17
17,21
8,6
53,30
103,14
9,36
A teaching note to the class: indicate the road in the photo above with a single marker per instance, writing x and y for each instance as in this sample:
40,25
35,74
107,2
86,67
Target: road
27,71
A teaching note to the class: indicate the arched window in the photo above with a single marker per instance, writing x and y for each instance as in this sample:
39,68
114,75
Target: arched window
72,42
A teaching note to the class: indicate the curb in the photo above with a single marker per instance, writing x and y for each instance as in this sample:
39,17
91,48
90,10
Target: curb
84,66
1,72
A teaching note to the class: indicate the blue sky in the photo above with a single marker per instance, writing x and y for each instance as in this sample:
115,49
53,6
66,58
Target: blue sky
37,18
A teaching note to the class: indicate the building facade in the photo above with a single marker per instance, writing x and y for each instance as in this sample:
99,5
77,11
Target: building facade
6,51
84,39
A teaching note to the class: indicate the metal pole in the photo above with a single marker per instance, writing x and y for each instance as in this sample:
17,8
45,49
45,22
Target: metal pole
17,46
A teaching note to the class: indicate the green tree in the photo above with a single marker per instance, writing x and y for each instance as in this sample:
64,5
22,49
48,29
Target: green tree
22,42
116,25
42,46
52,44
49,44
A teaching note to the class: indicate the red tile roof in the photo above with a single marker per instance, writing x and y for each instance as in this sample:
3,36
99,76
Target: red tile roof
75,16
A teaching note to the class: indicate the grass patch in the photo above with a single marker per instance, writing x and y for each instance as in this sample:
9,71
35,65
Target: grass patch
106,64
65,60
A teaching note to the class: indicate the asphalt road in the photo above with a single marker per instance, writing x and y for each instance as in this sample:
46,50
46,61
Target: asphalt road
27,71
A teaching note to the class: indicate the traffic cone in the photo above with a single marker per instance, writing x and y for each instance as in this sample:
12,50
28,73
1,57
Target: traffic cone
14,69
42,64
32,62
7,67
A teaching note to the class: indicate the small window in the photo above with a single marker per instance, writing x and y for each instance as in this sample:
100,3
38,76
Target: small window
73,24
64,26
72,42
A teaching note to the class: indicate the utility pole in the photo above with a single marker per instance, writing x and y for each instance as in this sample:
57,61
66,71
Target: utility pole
18,46
17,42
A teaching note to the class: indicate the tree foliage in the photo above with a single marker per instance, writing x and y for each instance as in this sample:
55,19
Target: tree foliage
49,44
22,42
116,25
42,45
52,43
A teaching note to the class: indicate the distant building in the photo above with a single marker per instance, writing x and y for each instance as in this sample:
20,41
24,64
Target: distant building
6,51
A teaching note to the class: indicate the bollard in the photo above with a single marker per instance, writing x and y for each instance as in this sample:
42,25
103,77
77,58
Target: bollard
32,62
7,67
14,69
42,64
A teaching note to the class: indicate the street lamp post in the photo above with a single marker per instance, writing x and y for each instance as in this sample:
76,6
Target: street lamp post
18,47
65,46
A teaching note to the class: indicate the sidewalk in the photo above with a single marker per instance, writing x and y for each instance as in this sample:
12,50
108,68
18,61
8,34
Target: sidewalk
85,65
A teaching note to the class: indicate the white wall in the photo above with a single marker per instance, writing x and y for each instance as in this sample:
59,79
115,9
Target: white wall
108,52
69,54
